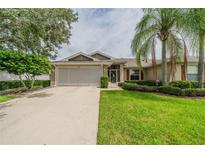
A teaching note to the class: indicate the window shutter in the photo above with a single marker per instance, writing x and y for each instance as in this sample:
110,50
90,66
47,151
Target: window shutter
128,74
142,75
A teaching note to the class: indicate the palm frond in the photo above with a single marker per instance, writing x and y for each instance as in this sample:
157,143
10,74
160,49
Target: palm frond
144,50
153,54
174,45
139,37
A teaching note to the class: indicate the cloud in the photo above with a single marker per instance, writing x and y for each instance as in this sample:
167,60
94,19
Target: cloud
107,30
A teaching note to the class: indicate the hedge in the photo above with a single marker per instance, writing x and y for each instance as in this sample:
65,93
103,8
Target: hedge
136,87
194,92
145,82
184,84
171,90
11,84
104,82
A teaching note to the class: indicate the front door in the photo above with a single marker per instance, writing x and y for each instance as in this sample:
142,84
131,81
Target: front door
114,73
113,77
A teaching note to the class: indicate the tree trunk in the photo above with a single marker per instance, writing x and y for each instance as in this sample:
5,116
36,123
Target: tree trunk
24,85
32,82
201,61
164,64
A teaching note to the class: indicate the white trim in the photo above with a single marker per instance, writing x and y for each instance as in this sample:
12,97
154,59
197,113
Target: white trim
83,63
78,54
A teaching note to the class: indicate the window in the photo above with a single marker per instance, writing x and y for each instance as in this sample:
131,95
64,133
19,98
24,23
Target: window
134,74
192,71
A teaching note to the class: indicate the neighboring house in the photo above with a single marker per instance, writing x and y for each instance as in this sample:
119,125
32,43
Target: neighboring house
86,69
6,76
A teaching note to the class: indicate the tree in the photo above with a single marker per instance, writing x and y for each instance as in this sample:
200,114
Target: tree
194,26
39,31
159,24
21,64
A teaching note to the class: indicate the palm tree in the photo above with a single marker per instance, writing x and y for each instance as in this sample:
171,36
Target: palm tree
158,24
194,25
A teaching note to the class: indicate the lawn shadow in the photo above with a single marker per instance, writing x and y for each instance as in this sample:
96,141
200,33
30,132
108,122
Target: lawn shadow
4,106
40,95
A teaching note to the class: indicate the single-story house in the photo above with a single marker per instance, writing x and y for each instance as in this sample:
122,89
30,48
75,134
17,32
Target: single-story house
86,69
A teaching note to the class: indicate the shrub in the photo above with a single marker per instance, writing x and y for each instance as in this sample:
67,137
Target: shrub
120,84
145,82
11,84
184,84
46,83
171,90
136,87
181,84
194,92
104,82
194,84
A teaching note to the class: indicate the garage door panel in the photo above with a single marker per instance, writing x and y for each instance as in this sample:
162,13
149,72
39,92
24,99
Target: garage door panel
62,77
79,76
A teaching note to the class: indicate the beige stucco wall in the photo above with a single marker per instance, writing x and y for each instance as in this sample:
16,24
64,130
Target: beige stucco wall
125,74
149,75
105,70
121,73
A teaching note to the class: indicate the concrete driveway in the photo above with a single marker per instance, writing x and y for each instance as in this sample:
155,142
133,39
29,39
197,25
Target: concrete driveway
60,115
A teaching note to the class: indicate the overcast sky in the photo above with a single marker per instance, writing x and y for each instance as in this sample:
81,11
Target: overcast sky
106,30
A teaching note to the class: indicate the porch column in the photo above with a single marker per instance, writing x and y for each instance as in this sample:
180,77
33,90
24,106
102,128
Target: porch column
53,75
102,68
121,73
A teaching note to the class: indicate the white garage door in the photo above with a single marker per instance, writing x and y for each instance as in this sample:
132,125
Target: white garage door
79,76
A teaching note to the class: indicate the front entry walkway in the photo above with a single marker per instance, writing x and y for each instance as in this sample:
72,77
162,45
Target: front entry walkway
112,86
60,115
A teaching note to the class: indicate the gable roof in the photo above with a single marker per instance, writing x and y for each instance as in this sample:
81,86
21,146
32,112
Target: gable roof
101,53
79,54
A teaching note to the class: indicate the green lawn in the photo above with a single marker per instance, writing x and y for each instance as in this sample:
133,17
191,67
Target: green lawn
5,98
144,118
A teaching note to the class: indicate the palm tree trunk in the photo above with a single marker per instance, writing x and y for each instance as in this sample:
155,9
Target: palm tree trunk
164,64
201,61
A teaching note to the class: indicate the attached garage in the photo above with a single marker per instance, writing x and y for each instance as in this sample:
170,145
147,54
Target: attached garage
78,70
79,75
